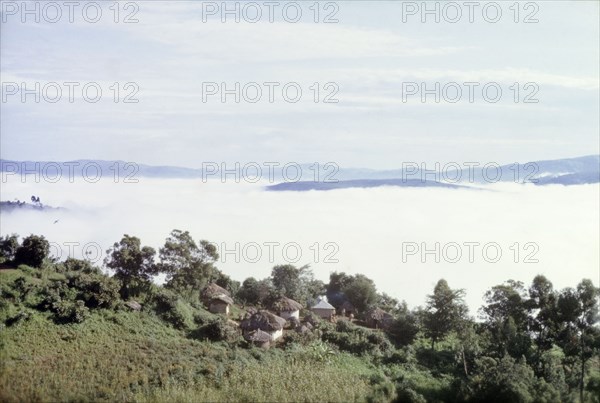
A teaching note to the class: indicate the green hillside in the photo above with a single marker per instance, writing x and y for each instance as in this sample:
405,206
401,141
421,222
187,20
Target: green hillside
70,332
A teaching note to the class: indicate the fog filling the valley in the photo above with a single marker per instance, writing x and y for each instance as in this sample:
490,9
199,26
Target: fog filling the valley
363,229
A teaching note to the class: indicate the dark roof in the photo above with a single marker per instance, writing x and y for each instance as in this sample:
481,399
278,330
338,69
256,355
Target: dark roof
212,290
287,305
378,314
258,335
222,298
263,320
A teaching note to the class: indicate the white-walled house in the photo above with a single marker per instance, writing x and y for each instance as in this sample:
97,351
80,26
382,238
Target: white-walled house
287,308
265,321
323,309
220,304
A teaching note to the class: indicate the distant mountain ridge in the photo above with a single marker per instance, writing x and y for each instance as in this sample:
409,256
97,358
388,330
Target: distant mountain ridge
567,171
358,183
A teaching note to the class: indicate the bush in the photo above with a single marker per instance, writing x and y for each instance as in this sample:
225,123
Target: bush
28,270
61,300
8,247
76,265
382,389
19,317
25,290
217,329
70,312
355,339
416,385
97,291
292,339
32,251
172,310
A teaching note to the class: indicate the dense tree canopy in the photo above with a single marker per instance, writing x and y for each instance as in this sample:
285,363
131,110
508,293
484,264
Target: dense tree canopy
133,264
188,265
8,246
32,251
445,311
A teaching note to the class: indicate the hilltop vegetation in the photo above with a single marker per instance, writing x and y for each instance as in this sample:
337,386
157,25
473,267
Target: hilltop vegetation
72,332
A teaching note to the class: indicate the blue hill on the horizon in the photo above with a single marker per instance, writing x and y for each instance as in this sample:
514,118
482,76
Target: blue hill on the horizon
567,171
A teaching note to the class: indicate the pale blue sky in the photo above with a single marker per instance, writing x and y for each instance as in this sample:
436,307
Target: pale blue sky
369,53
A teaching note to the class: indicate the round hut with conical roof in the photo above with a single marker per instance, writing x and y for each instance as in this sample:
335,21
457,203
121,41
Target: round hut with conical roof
287,308
258,338
210,291
216,298
265,321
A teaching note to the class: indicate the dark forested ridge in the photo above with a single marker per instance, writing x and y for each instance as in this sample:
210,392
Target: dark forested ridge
75,332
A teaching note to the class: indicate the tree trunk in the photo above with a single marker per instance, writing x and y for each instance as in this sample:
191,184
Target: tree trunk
464,360
582,368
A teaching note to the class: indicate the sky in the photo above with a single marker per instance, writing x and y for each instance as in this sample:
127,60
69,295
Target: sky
377,61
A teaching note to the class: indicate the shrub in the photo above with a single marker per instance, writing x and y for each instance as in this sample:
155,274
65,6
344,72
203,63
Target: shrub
32,251
382,389
28,270
19,317
202,317
355,339
8,247
24,290
345,326
61,300
97,291
76,265
172,310
217,329
70,312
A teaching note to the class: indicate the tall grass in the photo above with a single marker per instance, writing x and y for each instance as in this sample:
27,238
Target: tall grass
127,356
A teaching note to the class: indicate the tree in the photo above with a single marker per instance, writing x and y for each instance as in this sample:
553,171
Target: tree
8,246
295,283
188,265
543,319
388,303
578,310
223,280
337,282
504,380
361,292
404,328
133,265
256,292
507,313
287,280
445,311
32,251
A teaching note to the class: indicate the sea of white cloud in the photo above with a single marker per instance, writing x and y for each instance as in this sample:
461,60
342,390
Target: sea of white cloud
381,232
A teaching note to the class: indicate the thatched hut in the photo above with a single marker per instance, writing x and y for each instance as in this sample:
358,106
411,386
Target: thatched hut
211,291
220,304
287,308
377,318
258,338
265,321
324,309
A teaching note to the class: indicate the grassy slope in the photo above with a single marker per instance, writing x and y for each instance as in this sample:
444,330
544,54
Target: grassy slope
135,356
